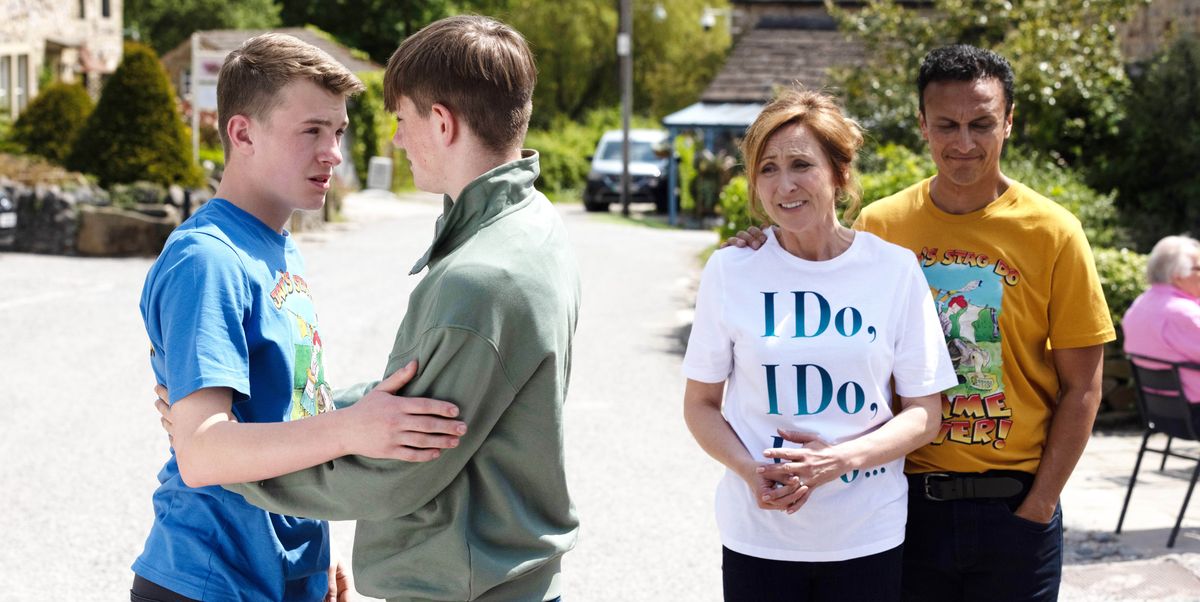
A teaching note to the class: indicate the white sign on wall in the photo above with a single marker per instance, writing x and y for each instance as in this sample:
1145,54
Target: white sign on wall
206,65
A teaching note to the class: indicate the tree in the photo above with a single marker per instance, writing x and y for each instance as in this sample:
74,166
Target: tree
1154,166
1070,75
136,132
51,123
373,26
674,58
163,24
575,47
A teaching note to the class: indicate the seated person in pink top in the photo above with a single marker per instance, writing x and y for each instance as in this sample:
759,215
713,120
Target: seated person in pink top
1164,322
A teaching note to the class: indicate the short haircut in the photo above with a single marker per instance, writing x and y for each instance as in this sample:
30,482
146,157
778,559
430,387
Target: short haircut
839,136
1170,259
964,63
253,75
479,68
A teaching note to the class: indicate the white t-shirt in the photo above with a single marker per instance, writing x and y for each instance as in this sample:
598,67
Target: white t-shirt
845,328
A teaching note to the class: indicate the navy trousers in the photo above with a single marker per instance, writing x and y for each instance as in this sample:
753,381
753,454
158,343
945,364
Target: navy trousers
750,579
979,551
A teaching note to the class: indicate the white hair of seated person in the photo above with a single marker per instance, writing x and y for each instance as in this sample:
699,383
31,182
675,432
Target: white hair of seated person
1172,257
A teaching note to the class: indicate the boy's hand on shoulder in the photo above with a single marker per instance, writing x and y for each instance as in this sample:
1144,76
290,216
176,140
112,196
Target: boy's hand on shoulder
386,426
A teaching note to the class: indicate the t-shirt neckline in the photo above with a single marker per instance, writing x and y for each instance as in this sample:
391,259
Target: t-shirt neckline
773,245
999,203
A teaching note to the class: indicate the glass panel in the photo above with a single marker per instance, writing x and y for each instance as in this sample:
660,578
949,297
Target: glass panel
638,151
22,89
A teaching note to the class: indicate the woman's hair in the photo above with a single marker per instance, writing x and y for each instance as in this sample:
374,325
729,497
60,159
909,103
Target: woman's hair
839,136
1170,259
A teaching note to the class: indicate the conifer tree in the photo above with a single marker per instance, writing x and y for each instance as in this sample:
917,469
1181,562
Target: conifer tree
136,132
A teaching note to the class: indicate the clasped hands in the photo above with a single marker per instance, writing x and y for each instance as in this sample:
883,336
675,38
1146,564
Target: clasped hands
786,483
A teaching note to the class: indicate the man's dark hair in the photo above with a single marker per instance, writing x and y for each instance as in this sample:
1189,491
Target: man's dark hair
964,63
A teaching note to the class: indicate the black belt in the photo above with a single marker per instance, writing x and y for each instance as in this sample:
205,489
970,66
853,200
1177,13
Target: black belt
945,487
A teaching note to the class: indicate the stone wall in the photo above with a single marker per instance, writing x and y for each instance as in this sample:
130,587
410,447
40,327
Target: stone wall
80,220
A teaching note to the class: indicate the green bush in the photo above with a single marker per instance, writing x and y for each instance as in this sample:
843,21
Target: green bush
562,156
51,123
734,206
1066,55
136,132
685,150
1154,167
1066,187
888,169
1123,278
7,144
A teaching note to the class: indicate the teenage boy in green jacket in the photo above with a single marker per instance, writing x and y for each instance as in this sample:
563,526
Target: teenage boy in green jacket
490,327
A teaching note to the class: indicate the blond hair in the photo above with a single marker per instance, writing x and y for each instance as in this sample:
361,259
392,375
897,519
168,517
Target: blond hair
479,68
253,75
839,137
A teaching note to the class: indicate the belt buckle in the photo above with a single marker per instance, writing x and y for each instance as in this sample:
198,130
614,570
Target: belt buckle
930,476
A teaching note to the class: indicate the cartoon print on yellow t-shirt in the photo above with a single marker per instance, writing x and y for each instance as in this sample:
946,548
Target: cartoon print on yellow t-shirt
968,289
311,395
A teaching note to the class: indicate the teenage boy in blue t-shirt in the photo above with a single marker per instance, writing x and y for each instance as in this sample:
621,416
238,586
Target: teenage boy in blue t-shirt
235,340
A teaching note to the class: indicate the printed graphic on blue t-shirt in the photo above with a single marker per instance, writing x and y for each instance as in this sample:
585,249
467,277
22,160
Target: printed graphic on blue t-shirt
968,291
226,305
311,395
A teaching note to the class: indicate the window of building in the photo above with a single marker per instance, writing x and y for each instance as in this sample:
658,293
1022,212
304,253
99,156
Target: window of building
82,9
5,85
106,8
21,91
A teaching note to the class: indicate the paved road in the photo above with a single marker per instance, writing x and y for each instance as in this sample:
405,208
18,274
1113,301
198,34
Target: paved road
81,446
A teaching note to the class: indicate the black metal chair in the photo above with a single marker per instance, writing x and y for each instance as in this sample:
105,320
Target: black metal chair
1164,410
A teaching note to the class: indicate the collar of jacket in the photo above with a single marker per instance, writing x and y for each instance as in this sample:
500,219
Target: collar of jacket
487,198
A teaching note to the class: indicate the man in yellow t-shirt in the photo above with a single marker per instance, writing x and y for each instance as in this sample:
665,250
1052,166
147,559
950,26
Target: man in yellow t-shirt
1016,290
1019,300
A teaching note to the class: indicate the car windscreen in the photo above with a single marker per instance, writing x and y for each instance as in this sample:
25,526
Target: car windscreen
641,152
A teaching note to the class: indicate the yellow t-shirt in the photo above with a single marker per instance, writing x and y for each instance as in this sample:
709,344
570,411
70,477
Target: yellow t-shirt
1010,282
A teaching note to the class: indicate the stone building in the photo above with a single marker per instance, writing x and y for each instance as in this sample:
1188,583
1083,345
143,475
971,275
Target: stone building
1155,24
56,40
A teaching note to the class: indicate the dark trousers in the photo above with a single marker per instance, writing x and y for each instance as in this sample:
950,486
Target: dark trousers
147,591
979,551
749,579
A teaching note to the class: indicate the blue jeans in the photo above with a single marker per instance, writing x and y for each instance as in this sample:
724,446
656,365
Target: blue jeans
978,550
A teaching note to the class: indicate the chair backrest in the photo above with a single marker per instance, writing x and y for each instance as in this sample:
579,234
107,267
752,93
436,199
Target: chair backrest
1160,397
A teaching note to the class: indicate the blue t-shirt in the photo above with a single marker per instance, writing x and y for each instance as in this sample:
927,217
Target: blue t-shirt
226,305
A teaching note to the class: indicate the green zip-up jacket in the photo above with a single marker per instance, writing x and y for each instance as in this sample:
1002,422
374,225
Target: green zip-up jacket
491,326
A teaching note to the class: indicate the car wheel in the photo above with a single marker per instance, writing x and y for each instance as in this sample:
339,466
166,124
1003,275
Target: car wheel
591,207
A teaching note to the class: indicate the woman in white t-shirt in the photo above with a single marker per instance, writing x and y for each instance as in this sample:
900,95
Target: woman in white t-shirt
791,365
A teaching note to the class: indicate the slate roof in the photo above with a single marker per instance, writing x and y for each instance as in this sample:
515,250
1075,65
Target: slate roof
229,39
778,52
